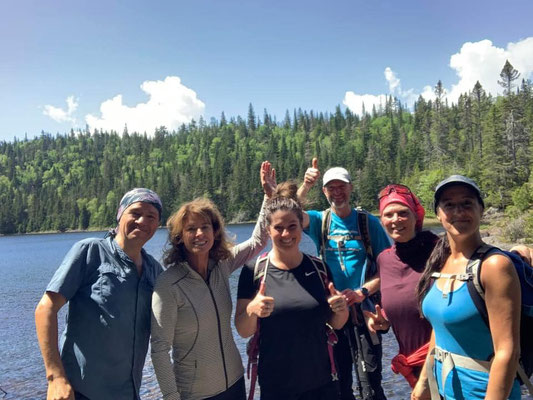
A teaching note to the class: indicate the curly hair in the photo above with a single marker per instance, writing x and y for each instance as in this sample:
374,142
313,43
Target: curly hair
203,208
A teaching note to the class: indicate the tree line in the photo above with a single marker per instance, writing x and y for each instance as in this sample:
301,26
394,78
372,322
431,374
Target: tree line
75,180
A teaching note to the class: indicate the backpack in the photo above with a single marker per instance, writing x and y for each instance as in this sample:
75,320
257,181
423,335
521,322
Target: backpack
362,222
472,277
252,347
476,291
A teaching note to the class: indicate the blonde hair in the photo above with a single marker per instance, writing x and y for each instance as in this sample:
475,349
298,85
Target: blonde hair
206,209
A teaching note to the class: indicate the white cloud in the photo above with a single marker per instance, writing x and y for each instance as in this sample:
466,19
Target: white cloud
476,61
355,102
170,104
483,61
60,115
394,82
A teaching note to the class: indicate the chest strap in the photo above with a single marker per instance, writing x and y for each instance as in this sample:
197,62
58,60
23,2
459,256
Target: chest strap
449,361
450,279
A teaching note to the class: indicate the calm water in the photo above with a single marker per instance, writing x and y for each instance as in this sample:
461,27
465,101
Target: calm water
26,265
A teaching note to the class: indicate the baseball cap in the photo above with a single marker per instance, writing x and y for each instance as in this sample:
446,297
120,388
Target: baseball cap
336,173
456,180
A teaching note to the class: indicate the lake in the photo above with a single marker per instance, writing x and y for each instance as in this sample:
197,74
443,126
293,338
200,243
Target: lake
28,262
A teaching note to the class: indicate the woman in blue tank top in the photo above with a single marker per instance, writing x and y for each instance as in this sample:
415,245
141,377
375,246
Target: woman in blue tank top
470,361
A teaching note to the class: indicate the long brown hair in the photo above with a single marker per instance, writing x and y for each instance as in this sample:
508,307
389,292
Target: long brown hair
435,262
206,209
438,256
284,198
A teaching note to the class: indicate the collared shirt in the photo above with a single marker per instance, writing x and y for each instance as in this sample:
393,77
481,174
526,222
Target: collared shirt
345,250
105,341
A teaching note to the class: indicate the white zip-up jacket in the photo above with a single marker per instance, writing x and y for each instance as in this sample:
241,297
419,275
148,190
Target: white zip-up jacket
192,317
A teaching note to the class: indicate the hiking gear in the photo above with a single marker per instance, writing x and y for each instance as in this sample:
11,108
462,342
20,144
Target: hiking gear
403,365
472,277
455,180
402,195
362,221
336,173
356,334
252,348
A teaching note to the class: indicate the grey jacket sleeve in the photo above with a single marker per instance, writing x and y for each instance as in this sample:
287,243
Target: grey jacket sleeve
250,248
164,317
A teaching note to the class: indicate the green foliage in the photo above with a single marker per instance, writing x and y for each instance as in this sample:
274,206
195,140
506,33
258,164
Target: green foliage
75,181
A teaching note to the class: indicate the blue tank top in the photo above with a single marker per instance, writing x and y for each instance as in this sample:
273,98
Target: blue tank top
460,329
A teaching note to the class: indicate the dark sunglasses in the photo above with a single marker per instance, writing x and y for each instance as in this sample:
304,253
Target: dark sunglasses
400,189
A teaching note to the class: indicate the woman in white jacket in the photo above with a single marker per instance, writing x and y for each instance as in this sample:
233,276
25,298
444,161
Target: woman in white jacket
191,305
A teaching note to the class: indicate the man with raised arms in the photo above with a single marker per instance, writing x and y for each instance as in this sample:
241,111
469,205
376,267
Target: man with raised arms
345,254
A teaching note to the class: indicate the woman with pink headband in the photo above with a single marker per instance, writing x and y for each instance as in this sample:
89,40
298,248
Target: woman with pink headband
400,268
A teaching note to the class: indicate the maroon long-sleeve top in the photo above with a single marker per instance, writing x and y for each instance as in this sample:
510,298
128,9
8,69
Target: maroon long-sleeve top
400,268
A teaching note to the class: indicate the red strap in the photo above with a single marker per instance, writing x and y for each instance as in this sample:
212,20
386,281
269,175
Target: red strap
403,365
332,341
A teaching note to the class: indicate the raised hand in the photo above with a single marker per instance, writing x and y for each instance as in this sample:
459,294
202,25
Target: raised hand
268,178
312,173
336,300
261,305
376,321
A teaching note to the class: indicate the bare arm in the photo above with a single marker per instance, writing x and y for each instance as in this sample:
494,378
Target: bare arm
46,326
311,177
421,389
248,311
357,296
502,297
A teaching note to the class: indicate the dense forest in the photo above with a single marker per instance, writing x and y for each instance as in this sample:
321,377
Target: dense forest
75,180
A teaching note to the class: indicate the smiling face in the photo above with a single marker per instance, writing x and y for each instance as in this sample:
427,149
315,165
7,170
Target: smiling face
285,230
338,194
138,223
399,222
459,210
198,235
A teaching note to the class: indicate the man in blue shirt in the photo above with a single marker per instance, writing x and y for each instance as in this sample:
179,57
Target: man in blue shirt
108,284
345,254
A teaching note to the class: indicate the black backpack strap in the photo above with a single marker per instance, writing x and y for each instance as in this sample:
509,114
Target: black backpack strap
475,288
362,221
326,223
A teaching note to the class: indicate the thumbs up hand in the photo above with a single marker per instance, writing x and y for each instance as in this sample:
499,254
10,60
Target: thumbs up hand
336,300
261,305
312,173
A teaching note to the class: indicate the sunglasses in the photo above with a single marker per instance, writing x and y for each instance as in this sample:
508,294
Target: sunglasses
400,189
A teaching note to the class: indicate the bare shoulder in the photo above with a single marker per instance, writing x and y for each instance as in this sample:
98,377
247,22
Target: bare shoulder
498,268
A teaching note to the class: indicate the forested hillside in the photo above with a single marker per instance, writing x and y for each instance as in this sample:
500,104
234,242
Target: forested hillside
75,181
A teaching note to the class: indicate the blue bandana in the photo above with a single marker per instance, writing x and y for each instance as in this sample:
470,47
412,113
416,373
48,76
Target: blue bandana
136,195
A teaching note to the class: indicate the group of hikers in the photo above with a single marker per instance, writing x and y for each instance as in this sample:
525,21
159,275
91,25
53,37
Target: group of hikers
313,321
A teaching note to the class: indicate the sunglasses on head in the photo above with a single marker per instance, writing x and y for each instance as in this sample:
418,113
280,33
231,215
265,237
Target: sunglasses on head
400,189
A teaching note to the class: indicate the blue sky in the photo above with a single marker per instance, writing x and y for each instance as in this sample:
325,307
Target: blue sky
65,64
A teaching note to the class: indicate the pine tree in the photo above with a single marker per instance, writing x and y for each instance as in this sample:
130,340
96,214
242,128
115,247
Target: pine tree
508,75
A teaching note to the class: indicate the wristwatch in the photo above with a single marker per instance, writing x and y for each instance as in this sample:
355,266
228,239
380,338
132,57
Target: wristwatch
365,291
